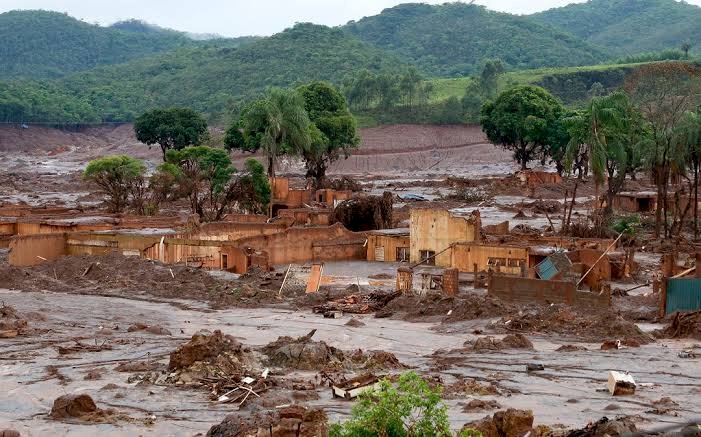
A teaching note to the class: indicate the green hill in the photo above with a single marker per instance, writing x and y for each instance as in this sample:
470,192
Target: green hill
454,39
626,27
210,78
41,44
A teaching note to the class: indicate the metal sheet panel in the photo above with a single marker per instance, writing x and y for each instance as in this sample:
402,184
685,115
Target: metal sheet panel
683,294
546,269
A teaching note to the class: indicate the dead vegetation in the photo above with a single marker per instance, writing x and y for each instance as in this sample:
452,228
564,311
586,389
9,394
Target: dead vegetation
365,213
683,325
11,324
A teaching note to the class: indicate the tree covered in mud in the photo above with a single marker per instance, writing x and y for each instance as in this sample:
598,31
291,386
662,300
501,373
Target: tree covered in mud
118,178
522,119
207,178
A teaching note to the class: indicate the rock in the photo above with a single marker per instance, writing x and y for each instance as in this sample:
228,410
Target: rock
72,405
302,353
480,405
534,367
605,428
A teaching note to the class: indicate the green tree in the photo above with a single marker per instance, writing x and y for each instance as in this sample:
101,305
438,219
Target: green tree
663,92
411,408
489,79
608,128
686,46
334,132
116,176
687,141
253,188
204,176
521,120
277,125
173,128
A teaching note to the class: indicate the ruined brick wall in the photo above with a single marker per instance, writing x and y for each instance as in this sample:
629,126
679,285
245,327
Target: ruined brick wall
465,256
451,283
246,218
525,291
308,216
437,229
31,250
224,231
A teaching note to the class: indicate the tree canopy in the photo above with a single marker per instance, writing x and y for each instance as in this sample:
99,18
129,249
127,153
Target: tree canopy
115,176
173,128
521,120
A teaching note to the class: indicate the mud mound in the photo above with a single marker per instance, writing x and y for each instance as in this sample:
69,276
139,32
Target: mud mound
511,341
376,360
302,353
469,387
291,421
207,347
355,323
562,319
606,427
570,348
545,206
509,423
683,325
116,275
152,329
450,309
480,405
82,407
11,324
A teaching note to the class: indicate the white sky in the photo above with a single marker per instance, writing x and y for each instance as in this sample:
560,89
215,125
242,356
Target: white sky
245,17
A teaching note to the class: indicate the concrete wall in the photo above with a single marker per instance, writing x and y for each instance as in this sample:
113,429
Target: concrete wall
525,291
224,231
388,245
308,216
465,256
35,249
437,229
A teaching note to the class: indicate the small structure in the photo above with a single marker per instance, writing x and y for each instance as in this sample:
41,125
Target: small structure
389,245
533,178
433,231
643,201
405,280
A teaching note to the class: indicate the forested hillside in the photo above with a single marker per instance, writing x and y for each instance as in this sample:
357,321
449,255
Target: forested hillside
625,27
454,39
41,44
211,79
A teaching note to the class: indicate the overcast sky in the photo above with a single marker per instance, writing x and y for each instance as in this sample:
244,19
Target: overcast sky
245,17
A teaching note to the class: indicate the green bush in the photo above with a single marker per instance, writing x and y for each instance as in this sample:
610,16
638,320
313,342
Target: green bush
409,408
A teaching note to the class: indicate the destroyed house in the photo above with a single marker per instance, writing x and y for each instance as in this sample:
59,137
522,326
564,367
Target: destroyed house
434,231
510,259
389,245
644,201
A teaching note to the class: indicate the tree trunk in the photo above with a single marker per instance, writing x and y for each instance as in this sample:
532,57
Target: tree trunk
696,200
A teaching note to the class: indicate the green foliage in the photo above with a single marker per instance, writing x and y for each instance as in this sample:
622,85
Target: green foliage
411,408
333,130
42,44
628,26
521,119
627,225
454,39
203,175
664,55
254,188
172,128
116,176
277,124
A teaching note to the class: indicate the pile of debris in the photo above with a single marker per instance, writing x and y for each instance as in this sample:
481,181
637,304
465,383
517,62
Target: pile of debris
115,274
302,353
376,360
366,213
11,324
489,343
293,420
358,303
509,423
683,325
450,309
562,319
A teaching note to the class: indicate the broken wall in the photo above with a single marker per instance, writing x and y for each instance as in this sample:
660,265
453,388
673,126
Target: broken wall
224,231
31,250
435,230
528,291
471,257
308,216
300,245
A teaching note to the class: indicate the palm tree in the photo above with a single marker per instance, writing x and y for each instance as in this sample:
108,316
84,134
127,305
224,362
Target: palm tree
285,125
606,131
687,146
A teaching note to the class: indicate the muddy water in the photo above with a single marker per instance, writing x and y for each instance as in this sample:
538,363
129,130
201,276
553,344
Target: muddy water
28,394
